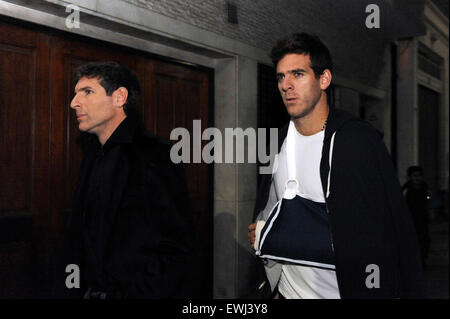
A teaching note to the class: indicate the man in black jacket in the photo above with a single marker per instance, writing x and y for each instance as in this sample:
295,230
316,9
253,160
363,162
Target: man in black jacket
341,163
129,233
416,194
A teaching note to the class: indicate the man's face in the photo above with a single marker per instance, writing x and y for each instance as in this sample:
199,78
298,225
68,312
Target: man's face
94,109
416,178
298,86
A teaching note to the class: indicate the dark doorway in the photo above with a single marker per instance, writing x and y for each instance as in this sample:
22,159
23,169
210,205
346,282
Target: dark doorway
271,110
428,124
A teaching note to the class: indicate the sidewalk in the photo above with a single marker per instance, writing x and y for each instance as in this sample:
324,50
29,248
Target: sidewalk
436,274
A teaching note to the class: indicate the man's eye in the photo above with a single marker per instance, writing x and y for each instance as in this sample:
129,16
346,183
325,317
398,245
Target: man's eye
297,74
88,92
280,77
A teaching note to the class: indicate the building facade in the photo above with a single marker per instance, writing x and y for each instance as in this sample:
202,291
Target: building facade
377,75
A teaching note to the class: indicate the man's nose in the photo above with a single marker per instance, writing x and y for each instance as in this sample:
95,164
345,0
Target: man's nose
286,84
74,103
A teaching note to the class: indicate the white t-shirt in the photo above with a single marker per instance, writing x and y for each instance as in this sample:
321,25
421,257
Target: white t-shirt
298,281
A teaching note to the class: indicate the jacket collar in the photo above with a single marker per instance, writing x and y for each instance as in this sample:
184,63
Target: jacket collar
336,119
123,134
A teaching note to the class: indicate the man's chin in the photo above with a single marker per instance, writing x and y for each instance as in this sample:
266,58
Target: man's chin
295,115
83,128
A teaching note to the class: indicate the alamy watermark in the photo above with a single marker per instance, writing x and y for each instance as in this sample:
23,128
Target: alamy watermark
73,19
73,279
373,279
228,149
373,19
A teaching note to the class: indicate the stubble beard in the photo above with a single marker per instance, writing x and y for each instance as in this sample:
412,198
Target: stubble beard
308,110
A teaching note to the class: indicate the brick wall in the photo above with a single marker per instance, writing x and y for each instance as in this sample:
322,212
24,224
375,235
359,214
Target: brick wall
357,51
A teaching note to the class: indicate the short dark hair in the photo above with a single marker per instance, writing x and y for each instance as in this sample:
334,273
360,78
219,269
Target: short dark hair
303,43
111,76
414,169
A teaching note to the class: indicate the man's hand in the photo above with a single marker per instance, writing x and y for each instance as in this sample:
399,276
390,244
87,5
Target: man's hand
251,234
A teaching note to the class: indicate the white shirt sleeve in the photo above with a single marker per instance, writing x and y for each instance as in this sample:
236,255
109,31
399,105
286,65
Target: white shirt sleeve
264,215
271,201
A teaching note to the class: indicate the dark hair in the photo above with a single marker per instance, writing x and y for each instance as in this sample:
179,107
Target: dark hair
413,169
111,76
303,43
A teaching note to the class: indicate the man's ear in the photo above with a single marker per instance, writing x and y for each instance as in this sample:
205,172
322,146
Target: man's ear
120,96
325,79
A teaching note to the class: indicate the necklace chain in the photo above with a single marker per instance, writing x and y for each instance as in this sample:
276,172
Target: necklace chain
324,125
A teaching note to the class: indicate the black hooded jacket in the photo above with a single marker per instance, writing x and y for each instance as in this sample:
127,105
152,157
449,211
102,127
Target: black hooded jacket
369,221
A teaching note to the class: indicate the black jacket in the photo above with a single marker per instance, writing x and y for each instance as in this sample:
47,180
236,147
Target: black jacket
137,243
369,220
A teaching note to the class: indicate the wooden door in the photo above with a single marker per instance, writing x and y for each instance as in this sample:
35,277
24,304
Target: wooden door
24,155
38,131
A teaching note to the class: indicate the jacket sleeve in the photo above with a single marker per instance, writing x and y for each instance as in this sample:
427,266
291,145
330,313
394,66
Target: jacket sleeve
410,275
369,218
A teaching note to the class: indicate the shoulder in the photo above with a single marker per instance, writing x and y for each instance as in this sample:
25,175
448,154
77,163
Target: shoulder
153,149
153,155
151,141
359,143
359,133
360,128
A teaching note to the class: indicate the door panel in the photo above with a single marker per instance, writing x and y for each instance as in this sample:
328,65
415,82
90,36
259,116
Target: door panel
176,96
24,156
24,139
180,96
17,109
